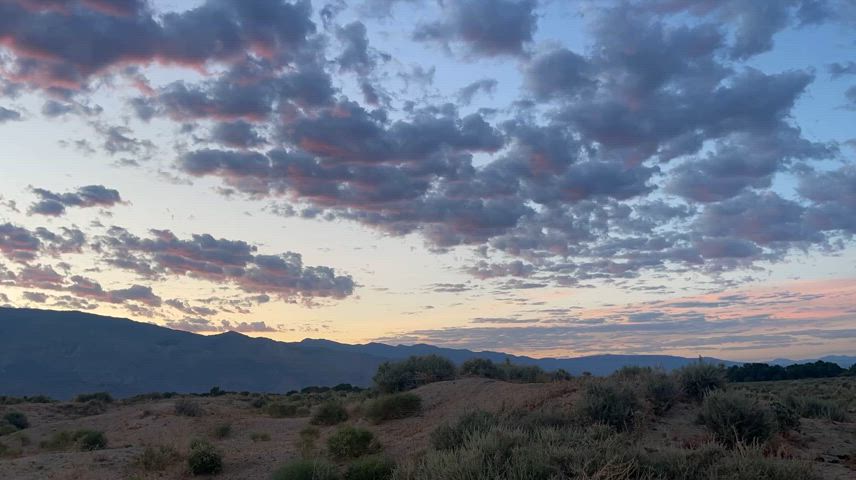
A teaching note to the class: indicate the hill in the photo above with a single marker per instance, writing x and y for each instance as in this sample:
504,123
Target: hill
60,354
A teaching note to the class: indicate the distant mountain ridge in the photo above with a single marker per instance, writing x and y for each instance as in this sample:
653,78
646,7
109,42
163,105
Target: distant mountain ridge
61,354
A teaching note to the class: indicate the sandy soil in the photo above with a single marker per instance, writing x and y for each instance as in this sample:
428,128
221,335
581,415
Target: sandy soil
129,428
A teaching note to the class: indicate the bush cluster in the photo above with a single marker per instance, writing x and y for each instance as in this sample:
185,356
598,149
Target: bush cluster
103,397
16,419
370,468
452,435
157,459
85,440
393,406
611,403
410,373
204,459
188,408
735,417
307,469
331,412
697,379
352,442
758,372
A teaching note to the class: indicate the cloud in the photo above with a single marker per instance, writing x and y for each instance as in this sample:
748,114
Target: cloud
18,243
57,48
486,27
238,134
558,73
486,85
55,204
355,55
7,115
87,288
837,70
223,261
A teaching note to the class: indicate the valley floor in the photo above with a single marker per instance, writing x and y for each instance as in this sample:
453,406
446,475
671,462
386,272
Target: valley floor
257,444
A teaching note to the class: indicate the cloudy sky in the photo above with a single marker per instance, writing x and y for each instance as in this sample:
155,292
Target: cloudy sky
544,177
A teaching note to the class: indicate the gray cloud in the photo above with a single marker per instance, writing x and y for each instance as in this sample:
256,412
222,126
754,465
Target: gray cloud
55,204
220,260
7,115
486,27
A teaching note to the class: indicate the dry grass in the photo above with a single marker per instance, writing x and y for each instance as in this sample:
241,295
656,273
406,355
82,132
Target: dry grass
535,424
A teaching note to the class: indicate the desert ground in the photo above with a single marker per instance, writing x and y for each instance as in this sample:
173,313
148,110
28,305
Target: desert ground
254,444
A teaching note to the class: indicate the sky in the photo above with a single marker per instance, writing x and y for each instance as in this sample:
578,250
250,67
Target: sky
540,177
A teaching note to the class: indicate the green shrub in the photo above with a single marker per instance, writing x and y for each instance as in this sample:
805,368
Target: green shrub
99,396
449,436
697,379
610,403
188,408
394,406
661,391
713,462
157,459
352,442
413,372
315,469
59,441
222,431
282,409
735,417
370,468
17,420
90,440
6,429
680,464
522,373
86,440
306,440
507,453
481,367
631,372
786,417
329,413
751,464
91,407
260,437
814,407
204,459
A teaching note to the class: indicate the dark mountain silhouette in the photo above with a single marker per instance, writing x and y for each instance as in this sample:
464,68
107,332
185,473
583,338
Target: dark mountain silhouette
61,354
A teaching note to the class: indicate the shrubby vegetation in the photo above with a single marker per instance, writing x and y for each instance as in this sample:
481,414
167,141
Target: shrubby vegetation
352,442
16,419
97,396
759,372
157,459
307,469
735,417
611,403
329,413
698,379
370,468
452,435
413,372
814,407
188,408
6,400
393,406
517,446
86,440
204,459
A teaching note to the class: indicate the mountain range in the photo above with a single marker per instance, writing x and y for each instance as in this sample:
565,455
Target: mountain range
61,354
